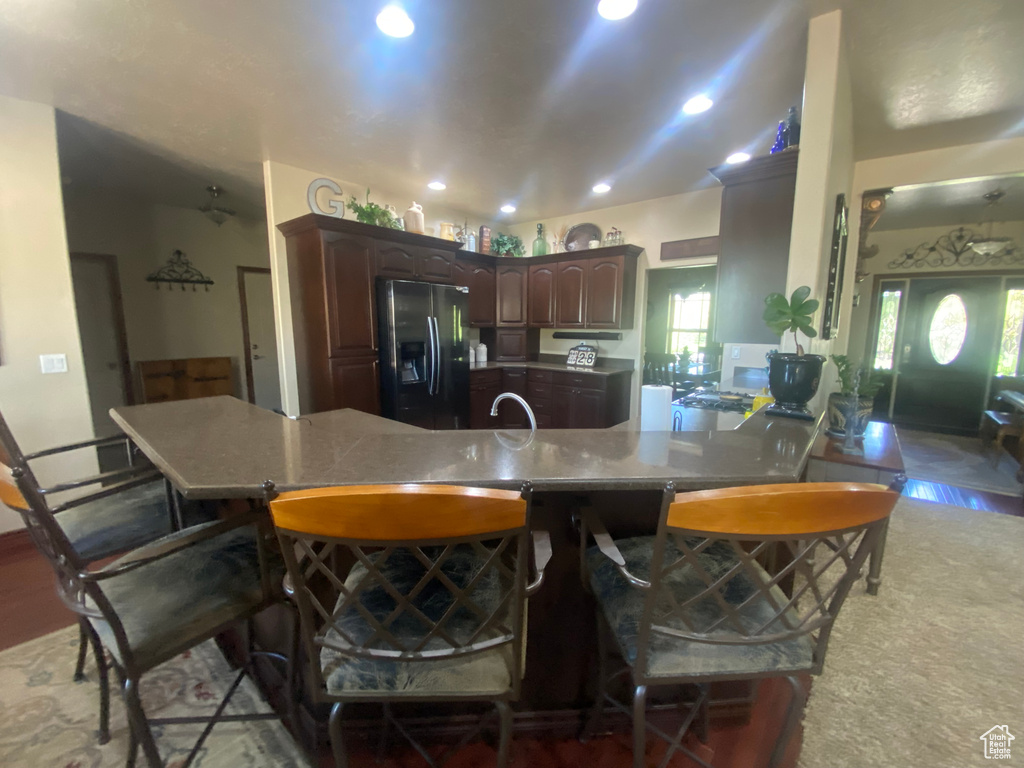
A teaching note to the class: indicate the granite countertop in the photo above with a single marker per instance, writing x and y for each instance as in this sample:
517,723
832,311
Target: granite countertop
220,447
547,366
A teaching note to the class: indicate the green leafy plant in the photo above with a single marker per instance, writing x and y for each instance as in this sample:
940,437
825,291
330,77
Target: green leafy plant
870,381
794,314
507,245
371,213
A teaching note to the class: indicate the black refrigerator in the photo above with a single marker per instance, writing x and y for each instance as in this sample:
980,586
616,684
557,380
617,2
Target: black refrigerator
424,353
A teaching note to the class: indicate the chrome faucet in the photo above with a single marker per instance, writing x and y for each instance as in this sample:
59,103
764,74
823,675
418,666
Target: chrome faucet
521,401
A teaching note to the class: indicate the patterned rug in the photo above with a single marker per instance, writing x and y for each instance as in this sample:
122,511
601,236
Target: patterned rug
47,720
956,460
916,675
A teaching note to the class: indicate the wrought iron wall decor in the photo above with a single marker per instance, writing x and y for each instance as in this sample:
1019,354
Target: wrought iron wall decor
956,250
179,271
836,268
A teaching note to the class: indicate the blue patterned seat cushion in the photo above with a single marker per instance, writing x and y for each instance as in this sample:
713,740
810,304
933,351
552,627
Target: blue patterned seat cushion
672,657
482,673
187,594
122,522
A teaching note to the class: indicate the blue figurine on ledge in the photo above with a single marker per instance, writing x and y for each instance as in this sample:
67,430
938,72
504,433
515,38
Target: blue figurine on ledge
788,134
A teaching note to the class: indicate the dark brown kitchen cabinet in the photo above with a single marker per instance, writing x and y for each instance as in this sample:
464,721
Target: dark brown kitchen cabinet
541,296
479,278
334,264
572,294
511,413
753,257
512,344
589,400
512,281
484,386
611,293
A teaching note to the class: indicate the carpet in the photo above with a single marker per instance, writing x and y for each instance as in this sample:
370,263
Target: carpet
46,719
915,676
956,460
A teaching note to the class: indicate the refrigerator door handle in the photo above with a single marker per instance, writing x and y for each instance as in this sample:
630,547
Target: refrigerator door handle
436,344
430,355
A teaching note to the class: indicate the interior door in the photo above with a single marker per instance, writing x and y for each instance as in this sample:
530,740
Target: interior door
104,345
946,353
265,380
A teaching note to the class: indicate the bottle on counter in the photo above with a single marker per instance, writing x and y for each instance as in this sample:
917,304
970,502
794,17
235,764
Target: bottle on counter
780,139
471,241
472,355
540,245
481,353
792,129
414,219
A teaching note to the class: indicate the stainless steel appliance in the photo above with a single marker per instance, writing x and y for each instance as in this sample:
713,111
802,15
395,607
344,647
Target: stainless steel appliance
424,353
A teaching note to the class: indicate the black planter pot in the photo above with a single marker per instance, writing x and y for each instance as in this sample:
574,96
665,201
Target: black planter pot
793,380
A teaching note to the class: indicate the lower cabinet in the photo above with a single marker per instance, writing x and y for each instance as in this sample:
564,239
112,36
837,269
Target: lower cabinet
356,383
484,386
511,413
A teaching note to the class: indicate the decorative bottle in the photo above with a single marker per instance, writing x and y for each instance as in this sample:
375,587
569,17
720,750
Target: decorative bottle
780,139
792,129
540,245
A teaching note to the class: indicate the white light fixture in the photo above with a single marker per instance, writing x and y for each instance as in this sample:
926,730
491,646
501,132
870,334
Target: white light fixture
613,10
508,209
214,212
395,22
737,157
600,189
990,246
698,104
437,185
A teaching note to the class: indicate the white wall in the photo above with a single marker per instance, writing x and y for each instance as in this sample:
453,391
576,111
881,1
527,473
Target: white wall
37,312
647,224
170,324
285,187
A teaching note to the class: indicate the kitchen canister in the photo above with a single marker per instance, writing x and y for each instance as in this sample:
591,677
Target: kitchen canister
414,219
447,230
655,408
481,353
472,355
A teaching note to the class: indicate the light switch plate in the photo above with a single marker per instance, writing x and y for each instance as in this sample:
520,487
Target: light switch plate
53,363
735,352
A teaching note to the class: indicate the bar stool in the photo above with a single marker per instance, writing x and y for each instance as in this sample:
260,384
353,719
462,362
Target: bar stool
996,426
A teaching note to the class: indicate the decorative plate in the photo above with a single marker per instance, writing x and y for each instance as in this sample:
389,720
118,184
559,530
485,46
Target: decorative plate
578,238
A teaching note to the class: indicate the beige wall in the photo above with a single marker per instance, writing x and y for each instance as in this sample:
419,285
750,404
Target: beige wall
285,187
165,324
37,312
647,224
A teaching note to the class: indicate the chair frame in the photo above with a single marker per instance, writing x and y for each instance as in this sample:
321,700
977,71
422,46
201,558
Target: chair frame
316,620
856,536
77,586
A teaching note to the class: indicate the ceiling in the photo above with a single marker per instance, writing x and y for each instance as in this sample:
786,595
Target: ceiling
953,203
530,102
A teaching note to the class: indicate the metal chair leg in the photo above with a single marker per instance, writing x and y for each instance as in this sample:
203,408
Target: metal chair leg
104,679
139,724
505,736
794,712
83,649
593,722
133,748
702,721
639,726
337,745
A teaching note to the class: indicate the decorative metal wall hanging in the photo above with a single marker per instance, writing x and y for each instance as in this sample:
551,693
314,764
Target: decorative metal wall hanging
836,267
179,271
956,249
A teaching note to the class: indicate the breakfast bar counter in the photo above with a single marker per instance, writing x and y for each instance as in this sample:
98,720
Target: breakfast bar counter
220,447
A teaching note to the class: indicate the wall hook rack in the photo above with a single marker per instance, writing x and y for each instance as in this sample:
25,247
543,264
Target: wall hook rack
179,271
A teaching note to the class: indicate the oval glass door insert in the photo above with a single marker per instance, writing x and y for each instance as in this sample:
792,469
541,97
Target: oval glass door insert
948,329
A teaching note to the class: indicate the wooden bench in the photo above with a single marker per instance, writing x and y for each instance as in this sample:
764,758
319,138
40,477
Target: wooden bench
996,426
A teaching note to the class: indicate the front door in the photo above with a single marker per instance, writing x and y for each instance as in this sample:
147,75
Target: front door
262,375
946,353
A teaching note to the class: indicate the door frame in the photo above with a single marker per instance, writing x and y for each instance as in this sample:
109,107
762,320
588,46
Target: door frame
246,343
120,327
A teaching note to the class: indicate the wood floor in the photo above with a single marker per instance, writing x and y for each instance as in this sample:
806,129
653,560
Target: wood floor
29,608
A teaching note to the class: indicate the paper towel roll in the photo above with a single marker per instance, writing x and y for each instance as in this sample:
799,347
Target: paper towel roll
655,408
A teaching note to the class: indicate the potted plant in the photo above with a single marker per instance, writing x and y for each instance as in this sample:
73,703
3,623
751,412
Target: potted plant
792,378
858,386
371,213
507,245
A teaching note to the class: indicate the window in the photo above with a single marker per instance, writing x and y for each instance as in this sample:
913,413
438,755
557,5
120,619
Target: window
1009,342
888,314
688,317
948,329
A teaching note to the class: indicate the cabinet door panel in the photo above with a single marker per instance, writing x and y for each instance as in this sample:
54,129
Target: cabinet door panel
435,266
348,278
482,297
512,414
396,261
561,405
588,409
356,384
511,344
604,293
542,296
512,292
571,285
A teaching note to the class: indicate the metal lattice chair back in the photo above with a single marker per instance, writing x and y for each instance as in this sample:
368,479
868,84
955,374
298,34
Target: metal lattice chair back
708,580
406,573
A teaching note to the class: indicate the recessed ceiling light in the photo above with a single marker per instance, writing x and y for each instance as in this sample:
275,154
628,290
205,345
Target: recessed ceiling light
697,104
438,185
737,157
394,21
508,209
613,10
600,189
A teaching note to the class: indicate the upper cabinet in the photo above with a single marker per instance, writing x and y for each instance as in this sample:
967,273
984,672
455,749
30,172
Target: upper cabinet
572,294
757,215
512,280
479,278
401,261
541,296
611,292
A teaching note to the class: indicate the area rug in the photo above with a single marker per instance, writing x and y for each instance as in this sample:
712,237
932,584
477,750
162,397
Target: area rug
956,460
47,720
917,675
